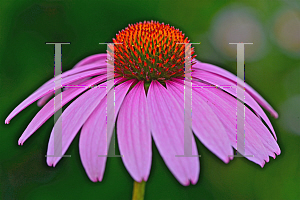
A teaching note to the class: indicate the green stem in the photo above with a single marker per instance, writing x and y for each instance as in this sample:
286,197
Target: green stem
138,190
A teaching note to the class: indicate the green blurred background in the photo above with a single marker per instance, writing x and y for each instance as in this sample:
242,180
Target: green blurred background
272,68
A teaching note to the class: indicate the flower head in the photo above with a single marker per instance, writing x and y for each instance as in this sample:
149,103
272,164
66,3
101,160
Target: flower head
150,53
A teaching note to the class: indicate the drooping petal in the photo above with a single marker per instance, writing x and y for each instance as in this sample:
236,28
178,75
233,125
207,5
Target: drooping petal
78,71
134,136
89,63
224,106
229,87
167,127
49,89
255,124
44,99
71,121
95,135
98,59
263,133
48,110
205,123
85,68
233,78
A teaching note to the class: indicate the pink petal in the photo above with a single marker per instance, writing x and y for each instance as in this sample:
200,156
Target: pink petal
49,88
81,73
255,124
95,59
44,99
47,111
230,76
84,68
73,118
263,133
91,62
224,106
93,138
77,71
229,87
134,134
167,126
206,124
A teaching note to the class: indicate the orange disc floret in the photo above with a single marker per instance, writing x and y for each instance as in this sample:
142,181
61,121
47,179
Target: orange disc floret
150,51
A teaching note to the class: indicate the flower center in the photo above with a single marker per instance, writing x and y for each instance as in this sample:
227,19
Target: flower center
150,51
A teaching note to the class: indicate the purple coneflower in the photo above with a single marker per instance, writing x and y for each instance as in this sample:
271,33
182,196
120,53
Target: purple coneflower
149,103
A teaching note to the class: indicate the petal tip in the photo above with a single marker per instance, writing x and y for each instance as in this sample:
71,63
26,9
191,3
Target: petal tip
227,160
94,179
145,178
20,142
278,152
50,162
194,182
275,114
40,104
99,179
186,183
273,155
189,182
